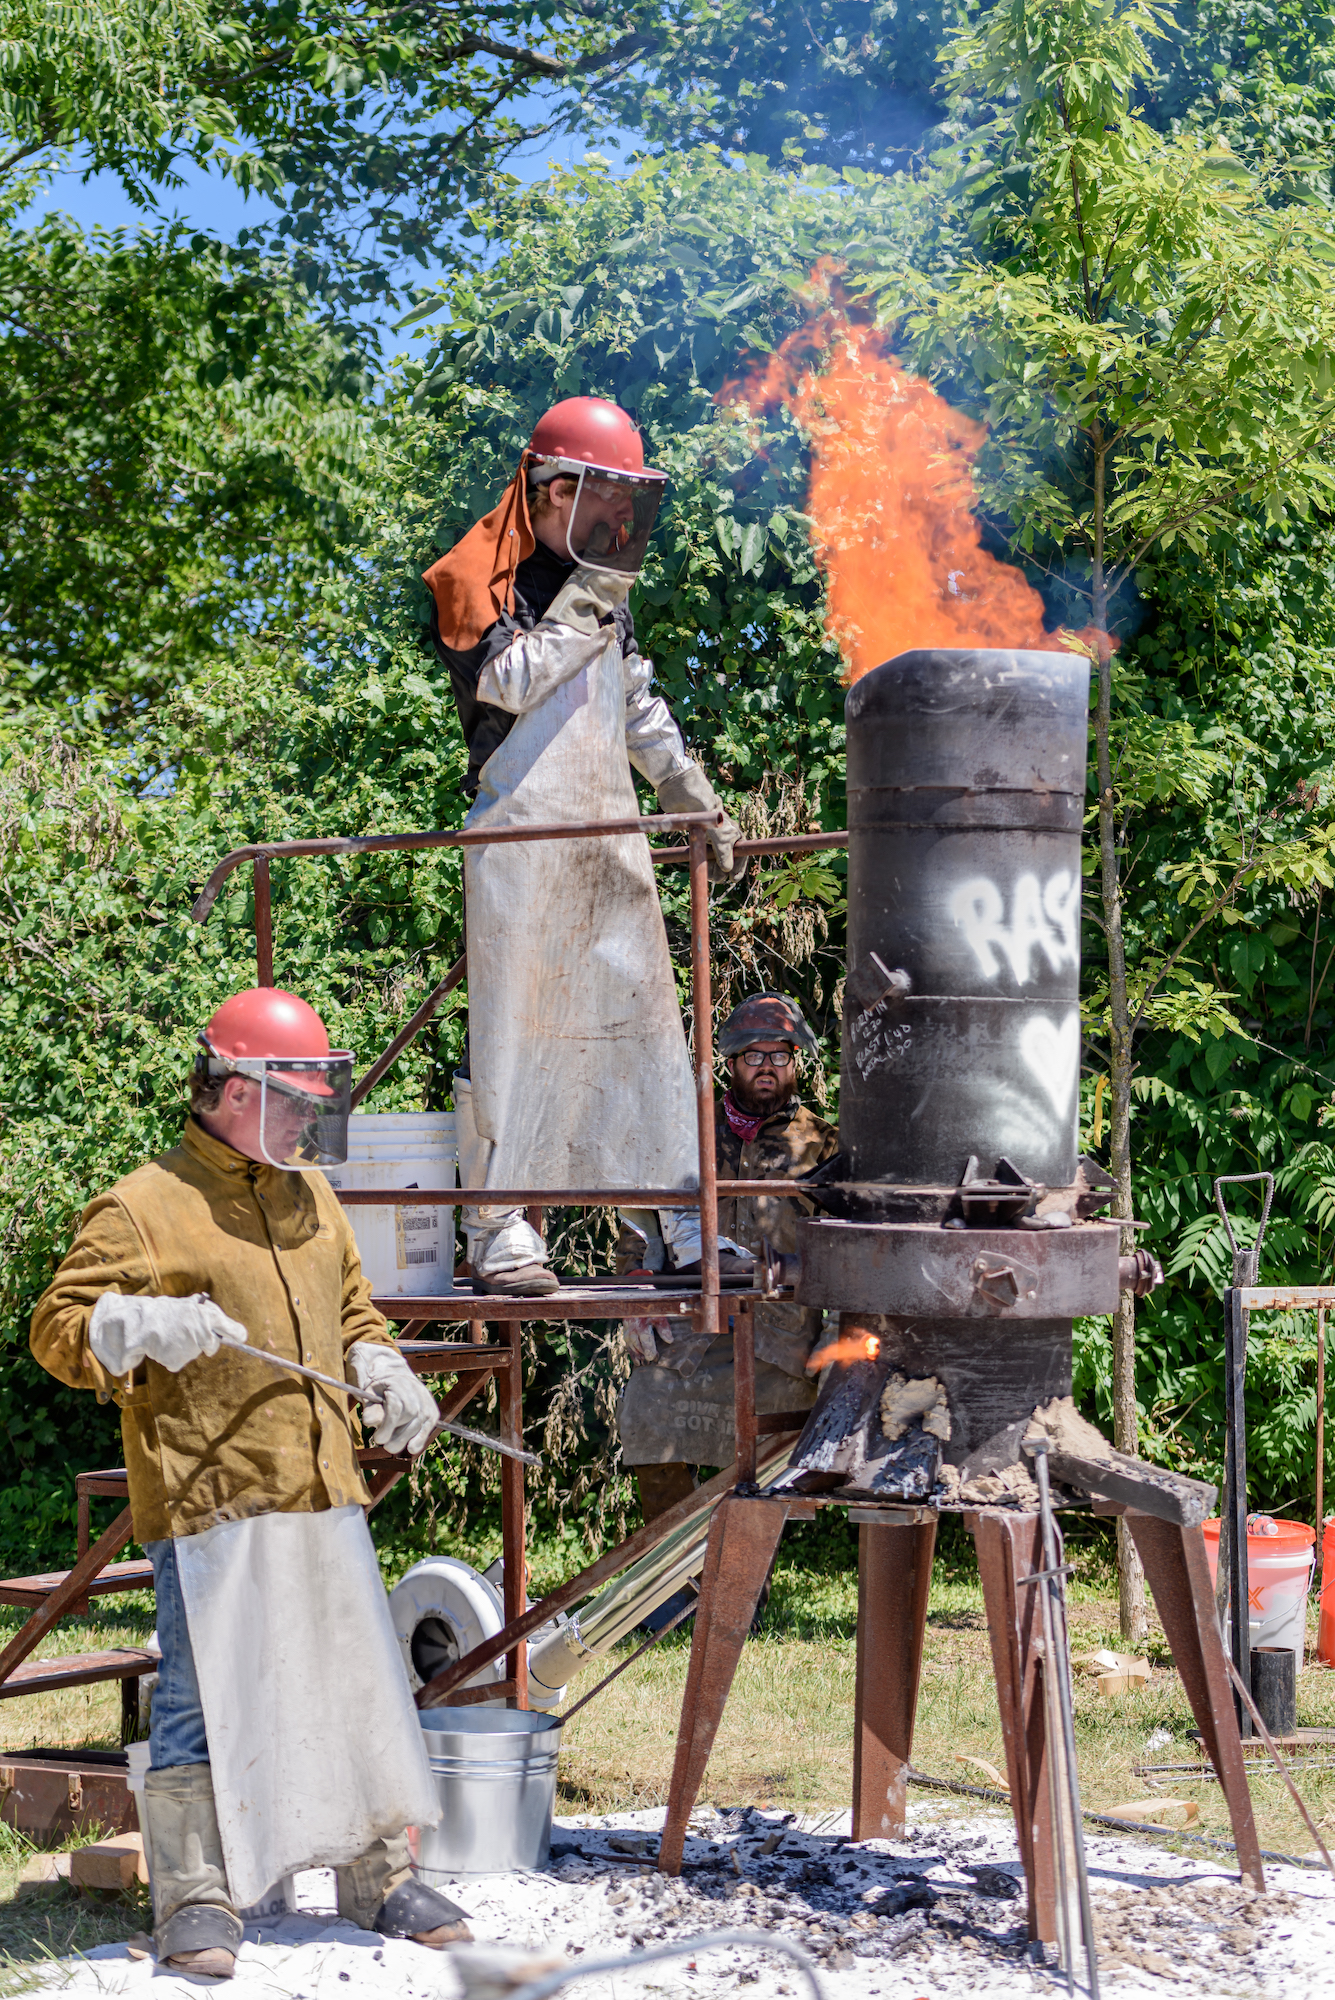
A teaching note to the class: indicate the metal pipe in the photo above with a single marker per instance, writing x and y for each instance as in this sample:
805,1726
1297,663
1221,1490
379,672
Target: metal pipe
621,1197
703,1007
389,843
744,1390
1057,1676
1320,1428
411,1028
799,843
604,1621
263,924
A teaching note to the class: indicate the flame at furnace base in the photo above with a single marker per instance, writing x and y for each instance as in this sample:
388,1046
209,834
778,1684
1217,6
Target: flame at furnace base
849,1347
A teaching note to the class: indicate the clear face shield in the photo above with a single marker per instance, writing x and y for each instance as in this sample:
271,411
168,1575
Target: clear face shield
304,1109
612,519
301,1119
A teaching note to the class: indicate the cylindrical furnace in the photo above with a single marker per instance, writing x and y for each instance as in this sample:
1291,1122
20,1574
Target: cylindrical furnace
957,1238
966,793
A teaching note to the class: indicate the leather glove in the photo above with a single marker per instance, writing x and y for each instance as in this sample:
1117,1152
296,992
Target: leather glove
402,1409
690,791
639,1336
588,599
125,1331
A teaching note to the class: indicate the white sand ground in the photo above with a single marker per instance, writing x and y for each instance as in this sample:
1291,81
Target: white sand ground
1171,1922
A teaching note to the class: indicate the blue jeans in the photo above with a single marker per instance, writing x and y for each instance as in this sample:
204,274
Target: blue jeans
177,1733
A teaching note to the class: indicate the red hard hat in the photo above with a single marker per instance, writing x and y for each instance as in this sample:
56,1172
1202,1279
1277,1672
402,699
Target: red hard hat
591,431
265,1021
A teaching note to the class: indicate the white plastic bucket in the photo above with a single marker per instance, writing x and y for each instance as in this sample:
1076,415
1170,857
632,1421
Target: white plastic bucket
1279,1575
405,1252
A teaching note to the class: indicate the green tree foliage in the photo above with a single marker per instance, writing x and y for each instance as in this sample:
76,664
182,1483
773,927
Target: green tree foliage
179,452
319,707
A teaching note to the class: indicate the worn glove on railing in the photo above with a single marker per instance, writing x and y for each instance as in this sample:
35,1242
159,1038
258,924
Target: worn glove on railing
690,791
125,1331
402,1409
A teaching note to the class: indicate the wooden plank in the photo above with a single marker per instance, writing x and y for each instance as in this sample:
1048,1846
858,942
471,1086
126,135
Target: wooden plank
33,1590
1130,1481
77,1670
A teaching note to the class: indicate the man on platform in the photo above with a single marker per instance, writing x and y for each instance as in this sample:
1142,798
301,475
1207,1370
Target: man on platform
284,1735
676,1411
577,1073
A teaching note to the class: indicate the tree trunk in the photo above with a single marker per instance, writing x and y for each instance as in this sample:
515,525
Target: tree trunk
1131,1584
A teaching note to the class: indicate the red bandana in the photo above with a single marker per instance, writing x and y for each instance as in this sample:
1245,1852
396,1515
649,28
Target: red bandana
741,1122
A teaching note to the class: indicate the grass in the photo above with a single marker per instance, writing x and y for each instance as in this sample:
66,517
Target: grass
786,1737
787,1733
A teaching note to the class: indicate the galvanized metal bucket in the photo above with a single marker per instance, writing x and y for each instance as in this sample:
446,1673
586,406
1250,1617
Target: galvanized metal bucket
495,1773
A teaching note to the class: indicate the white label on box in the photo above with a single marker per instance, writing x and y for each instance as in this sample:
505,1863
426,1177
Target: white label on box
415,1236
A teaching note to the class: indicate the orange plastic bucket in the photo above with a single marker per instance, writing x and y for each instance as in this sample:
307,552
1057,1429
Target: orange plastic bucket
1325,1630
1279,1573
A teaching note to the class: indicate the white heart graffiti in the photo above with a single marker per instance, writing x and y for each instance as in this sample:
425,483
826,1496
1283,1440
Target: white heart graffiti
1051,1049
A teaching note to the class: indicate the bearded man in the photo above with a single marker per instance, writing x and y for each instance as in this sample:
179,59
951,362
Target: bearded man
676,1412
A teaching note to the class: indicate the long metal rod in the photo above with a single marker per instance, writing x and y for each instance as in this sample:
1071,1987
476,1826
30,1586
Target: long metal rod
1056,1664
1320,1434
410,1030
687,1611
622,1197
386,843
263,925
583,1585
357,1395
702,1004
1235,1492
797,843
381,843
1244,1694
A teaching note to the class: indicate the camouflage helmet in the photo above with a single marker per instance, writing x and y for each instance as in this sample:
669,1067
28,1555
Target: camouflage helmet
765,1017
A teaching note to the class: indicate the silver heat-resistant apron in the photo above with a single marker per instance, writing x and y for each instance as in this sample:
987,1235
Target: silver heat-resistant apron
314,1742
580,1071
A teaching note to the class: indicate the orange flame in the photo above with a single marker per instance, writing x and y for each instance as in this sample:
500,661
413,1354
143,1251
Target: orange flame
862,1347
891,500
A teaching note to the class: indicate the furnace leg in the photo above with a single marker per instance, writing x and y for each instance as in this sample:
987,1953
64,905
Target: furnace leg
1179,1576
743,1536
1010,1547
894,1579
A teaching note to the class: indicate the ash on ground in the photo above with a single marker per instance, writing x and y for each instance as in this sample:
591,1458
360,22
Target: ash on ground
938,1913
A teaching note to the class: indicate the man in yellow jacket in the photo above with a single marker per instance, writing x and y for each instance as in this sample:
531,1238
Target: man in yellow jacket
283,1731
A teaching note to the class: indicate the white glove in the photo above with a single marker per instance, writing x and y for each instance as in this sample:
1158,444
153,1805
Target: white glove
125,1331
690,791
400,1407
588,599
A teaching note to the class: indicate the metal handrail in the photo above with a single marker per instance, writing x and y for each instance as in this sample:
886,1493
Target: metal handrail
695,825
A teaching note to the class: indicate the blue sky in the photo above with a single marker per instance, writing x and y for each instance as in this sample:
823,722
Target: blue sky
213,203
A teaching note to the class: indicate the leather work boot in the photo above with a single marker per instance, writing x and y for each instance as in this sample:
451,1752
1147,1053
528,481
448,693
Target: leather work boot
731,1264
379,1892
195,1926
423,1916
528,1281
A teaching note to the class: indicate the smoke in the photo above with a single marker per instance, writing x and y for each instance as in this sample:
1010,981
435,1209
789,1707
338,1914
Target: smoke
891,500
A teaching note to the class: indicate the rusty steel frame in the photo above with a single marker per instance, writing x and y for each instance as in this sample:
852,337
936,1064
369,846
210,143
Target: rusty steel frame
477,1361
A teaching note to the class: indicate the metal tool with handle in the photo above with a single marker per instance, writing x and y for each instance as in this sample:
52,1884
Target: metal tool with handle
369,1396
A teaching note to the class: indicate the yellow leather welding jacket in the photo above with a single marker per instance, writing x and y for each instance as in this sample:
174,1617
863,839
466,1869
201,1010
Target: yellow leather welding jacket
228,1437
